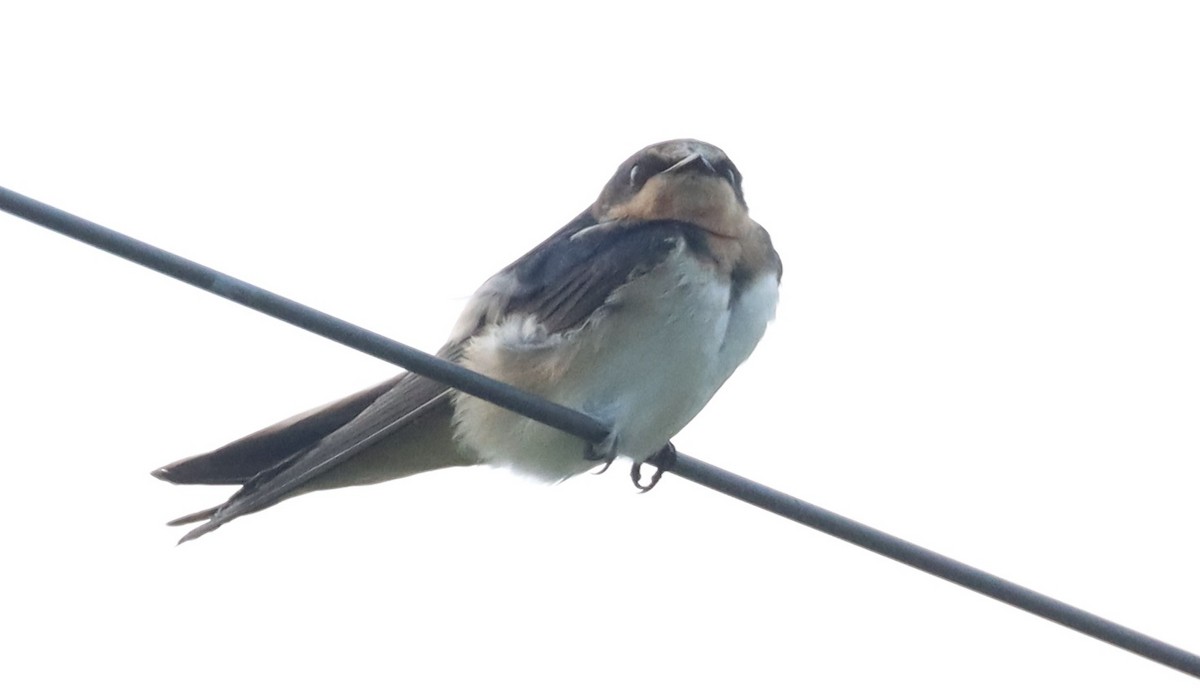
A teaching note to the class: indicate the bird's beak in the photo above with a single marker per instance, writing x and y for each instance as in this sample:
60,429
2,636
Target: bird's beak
693,159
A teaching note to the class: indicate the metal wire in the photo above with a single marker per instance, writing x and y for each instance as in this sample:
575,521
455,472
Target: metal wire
302,316
592,430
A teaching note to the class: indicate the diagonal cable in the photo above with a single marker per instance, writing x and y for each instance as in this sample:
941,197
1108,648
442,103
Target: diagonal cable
590,429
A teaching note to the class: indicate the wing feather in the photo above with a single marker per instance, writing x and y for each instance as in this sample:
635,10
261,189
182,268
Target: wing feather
245,458
407,401
576,274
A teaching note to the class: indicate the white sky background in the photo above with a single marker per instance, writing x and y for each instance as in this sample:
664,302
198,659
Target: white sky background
987,341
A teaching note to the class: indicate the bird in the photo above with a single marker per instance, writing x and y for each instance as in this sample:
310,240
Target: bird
635,312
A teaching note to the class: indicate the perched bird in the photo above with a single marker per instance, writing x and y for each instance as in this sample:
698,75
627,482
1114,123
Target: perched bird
635,312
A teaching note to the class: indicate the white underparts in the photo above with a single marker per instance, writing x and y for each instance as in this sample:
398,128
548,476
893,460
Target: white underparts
646,363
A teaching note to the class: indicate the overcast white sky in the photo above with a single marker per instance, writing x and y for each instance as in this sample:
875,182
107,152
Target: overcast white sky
987,343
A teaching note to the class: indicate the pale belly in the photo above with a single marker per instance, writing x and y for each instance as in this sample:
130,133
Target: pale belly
646,366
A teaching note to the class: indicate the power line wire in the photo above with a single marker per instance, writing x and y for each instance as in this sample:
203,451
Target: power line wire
590,429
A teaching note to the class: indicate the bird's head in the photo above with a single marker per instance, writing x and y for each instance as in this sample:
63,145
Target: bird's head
684,179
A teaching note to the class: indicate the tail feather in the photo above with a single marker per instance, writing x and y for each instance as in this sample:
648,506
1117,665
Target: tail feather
194,517
407,430
247,457
199,531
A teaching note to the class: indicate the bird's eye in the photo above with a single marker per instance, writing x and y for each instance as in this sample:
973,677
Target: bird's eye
643,170
732,177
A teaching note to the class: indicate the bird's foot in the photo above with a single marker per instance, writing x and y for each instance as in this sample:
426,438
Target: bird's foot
663,460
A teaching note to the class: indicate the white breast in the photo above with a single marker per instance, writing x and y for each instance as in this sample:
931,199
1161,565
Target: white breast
646,364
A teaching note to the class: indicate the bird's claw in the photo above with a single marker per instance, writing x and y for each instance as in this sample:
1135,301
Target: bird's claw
663,460
607,463
603,451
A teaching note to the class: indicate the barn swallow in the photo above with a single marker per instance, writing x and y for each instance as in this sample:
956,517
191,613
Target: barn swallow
635,312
